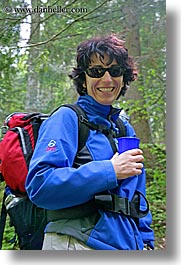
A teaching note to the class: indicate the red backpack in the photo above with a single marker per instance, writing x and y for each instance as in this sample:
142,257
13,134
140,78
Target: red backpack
16,148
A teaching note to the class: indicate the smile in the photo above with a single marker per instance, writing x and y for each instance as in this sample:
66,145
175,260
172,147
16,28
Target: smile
106,89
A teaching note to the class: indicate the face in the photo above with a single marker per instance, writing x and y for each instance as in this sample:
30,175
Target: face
105,89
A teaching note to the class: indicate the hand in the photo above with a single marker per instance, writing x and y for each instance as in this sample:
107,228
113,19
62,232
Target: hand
128,163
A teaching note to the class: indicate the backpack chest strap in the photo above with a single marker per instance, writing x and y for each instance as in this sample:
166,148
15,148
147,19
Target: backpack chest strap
106,202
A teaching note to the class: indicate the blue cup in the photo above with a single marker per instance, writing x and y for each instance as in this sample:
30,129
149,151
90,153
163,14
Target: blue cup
127,143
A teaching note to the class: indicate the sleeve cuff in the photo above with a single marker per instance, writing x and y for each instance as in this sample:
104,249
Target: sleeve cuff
110,174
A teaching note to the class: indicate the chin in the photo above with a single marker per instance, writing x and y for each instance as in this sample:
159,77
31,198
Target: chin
105,102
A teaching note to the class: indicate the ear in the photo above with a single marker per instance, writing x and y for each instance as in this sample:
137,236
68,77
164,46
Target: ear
84,84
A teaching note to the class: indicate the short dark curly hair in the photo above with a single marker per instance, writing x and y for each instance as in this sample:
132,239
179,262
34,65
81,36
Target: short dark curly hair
114,48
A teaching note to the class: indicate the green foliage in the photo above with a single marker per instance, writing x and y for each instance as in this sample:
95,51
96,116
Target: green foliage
10,238
9,234
156,194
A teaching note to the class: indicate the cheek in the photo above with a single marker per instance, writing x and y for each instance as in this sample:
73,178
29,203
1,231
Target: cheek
119,82
90,84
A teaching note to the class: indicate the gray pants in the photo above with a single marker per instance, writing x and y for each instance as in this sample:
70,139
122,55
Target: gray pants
53,241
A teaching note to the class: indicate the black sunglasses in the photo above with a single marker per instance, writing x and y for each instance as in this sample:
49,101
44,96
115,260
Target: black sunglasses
97,72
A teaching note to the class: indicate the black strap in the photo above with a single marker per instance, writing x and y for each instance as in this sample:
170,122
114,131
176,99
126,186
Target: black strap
83,128
2,219
121,127
106,202
78,211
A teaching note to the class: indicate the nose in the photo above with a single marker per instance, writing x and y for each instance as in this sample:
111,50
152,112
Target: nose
107,77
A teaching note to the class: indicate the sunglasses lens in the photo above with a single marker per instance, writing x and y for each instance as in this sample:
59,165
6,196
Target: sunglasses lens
95,72
114,71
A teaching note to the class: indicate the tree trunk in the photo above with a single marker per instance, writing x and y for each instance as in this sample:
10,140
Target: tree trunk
138,119
33,87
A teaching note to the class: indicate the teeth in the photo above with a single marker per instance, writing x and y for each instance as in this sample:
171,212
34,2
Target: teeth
106,89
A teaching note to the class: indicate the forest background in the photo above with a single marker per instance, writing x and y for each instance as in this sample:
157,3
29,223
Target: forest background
38,40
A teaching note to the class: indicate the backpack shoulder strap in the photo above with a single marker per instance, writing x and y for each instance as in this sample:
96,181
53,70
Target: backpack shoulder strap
83,128
121,127
111,134
2,219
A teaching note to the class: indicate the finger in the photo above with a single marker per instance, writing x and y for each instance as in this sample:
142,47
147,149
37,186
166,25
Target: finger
135,151
138,171
139,165
137,158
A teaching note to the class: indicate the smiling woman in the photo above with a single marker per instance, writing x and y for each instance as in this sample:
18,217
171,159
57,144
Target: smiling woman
98,203
100,53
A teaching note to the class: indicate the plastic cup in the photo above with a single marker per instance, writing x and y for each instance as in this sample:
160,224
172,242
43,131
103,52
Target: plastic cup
127,143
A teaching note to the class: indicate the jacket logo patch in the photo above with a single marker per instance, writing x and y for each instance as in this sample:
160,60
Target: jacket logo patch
51,146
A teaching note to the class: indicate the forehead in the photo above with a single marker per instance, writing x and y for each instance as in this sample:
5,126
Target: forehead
96,59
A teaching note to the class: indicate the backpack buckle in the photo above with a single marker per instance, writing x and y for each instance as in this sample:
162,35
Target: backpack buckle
4,129
119,205
122,205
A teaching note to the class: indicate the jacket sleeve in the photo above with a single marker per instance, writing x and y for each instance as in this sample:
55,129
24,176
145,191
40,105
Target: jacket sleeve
52,182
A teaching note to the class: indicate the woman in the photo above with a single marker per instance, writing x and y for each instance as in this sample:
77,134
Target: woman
103,72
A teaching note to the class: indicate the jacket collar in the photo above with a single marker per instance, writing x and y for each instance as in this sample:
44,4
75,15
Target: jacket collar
92,107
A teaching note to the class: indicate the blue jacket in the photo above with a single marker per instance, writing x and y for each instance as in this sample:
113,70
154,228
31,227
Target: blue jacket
53,183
